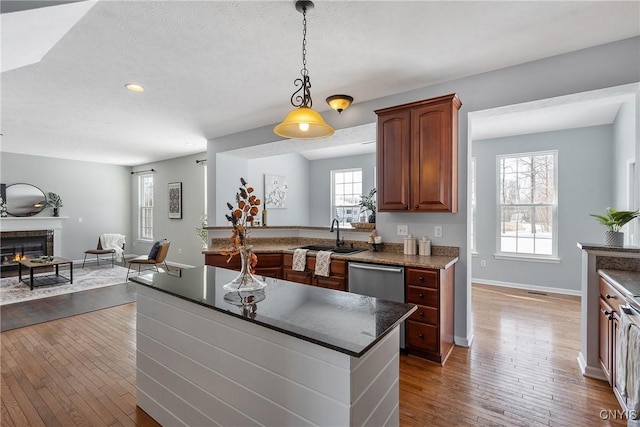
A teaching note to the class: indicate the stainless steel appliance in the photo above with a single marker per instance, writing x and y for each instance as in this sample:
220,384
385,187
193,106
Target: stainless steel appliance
379,281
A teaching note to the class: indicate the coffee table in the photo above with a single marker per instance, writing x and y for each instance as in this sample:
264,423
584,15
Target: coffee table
46,280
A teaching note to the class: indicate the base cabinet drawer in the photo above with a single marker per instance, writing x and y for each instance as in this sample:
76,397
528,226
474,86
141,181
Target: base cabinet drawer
422,336
425,315
422,296
303,277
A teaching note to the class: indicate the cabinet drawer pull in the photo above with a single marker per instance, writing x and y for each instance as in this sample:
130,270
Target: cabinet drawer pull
611,296
421,278
420,336
421,295
608,314
406,206
421,314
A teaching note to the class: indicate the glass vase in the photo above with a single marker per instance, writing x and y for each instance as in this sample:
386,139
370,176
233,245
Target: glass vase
245,281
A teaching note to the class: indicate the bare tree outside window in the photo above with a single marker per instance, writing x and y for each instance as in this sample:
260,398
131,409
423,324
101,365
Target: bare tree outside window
528,203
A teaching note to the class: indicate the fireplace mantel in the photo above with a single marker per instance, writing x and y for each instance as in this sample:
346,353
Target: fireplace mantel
14,223
28,223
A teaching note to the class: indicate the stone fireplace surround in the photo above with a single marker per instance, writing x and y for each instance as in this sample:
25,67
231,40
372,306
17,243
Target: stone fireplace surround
34,223
28,244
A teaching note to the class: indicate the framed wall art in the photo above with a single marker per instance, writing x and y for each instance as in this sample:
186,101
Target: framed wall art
175,200
275,191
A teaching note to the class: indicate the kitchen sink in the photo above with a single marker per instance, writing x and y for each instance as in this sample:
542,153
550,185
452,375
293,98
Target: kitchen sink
337,250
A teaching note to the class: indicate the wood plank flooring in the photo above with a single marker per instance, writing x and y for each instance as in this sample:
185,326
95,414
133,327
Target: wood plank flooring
27,313
521,370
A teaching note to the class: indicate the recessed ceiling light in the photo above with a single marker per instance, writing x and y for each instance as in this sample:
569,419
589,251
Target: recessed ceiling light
133,87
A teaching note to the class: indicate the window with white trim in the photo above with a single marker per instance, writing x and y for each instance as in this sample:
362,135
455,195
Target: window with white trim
527,204
145,207
346,191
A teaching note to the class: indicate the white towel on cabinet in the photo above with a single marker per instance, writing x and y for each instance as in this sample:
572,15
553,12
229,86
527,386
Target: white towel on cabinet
323,263
633,374
299,259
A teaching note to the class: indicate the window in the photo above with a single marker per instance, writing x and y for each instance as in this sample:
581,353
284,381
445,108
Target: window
527,202
346,192
145,207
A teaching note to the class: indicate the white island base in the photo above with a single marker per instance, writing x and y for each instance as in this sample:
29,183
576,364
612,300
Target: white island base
201,367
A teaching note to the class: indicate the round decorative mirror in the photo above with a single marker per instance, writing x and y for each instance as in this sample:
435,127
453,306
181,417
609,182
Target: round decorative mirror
25,200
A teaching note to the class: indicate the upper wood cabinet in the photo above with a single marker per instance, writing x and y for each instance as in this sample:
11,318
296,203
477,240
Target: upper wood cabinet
417,156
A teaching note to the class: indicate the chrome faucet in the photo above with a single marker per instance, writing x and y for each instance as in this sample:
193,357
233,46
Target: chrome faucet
338,241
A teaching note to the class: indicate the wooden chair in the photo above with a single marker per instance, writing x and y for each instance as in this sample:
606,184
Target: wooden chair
99,251
145,260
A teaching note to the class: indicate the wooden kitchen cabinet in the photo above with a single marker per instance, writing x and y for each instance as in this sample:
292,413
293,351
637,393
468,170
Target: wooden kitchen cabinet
606,349
429,330
269,265
609,322
417,156
336,280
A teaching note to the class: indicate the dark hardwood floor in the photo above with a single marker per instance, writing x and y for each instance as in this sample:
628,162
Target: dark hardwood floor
520,371
27,313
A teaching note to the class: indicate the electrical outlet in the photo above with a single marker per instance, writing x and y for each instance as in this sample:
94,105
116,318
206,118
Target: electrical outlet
483,263
403,230
438,231
80,219
179,251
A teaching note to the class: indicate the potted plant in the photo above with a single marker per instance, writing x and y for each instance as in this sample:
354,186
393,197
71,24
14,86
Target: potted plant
368,203
54,201
614,220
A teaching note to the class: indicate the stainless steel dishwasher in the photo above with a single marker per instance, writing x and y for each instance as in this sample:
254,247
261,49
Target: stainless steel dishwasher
379,281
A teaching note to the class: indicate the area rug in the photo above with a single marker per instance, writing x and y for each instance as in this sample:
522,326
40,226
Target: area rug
12,291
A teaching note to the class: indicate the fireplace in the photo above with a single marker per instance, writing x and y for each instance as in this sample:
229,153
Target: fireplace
16,245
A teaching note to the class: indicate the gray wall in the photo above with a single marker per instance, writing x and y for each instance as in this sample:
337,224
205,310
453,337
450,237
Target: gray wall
584,183
295,168
95,192
320,214
186,246
600,67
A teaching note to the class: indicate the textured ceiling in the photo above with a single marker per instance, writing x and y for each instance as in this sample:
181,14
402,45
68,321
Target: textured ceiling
220,67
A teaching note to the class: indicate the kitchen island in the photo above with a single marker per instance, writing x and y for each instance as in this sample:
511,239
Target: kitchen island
289,355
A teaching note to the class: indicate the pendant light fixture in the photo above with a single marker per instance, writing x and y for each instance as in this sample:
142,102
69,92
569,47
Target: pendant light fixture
303,122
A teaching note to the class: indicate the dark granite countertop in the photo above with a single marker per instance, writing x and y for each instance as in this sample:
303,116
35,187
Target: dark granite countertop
603,248
435,261
345,322
627,282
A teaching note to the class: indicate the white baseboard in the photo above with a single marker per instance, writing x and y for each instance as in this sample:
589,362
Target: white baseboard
464,341
528,287
588,371
177,264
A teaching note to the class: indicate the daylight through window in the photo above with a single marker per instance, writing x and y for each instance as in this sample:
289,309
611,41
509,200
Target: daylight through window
528,203
346,194
145,207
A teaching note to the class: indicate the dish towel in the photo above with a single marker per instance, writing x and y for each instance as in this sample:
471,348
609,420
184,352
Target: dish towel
628,365
115,242
323,263
299,259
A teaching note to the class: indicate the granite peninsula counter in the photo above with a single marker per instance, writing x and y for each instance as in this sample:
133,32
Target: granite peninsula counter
289,355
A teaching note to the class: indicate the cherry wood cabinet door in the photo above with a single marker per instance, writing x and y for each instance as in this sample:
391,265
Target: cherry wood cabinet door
393,152
605,351
417,156
433,172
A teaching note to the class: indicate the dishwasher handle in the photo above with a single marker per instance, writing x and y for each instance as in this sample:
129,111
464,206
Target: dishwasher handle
376,268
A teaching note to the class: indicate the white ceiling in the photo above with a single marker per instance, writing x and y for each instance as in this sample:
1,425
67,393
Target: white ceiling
220,67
